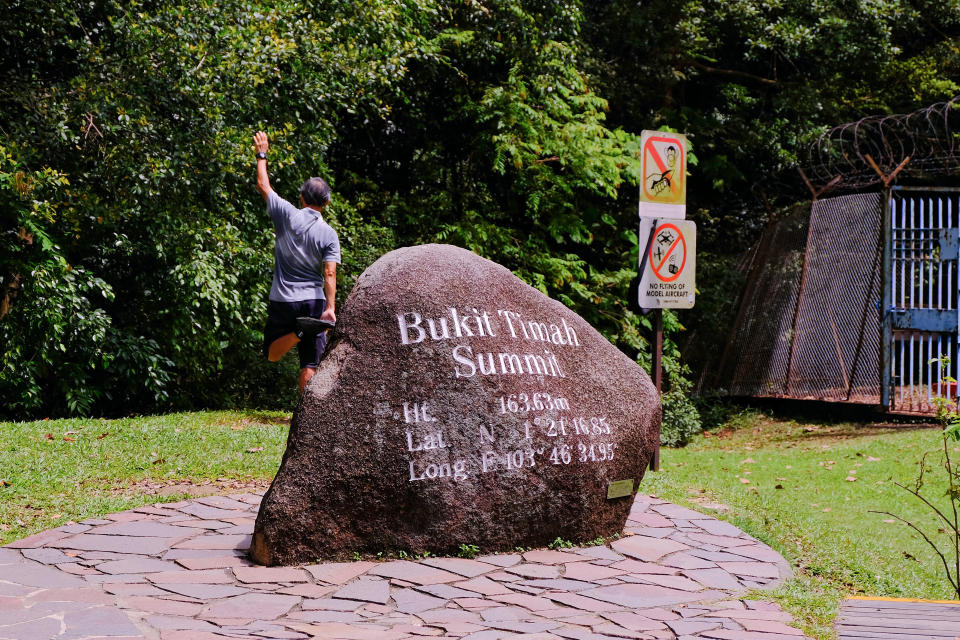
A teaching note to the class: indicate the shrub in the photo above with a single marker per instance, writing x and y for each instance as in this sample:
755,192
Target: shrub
681,420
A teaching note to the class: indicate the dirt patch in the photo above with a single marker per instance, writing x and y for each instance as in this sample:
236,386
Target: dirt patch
220,486
764,431
256,419
846,431
707,503
722,433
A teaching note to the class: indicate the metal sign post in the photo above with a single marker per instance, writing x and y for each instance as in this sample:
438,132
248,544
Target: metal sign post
658,350
657,367
657,372
667,262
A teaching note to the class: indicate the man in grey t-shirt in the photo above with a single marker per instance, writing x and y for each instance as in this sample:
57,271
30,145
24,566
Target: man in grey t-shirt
304,291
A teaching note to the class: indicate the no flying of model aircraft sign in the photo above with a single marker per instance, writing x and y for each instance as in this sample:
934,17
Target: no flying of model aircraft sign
667,264
663,192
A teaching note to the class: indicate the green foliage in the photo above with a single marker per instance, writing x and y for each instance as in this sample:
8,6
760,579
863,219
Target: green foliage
753,82
560,543
509,127
58,309
468,551
681,420
716,410
145,285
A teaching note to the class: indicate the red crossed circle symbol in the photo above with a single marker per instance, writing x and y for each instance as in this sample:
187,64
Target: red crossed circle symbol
679,241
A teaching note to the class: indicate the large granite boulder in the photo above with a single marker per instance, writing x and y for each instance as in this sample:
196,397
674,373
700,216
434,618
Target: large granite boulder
457,405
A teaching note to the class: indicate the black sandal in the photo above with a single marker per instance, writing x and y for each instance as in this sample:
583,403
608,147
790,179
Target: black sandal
311,327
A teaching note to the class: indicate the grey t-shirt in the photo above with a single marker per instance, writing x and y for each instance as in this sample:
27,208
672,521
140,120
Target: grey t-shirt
304,243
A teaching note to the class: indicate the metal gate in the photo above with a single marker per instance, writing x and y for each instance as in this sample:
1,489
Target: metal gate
851,299
919,363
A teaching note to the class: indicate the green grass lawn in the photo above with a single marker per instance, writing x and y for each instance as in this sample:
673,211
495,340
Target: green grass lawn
55,471
808,491
787,482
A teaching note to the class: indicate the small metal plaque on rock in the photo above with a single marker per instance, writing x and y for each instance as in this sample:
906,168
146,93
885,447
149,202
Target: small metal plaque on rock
619,489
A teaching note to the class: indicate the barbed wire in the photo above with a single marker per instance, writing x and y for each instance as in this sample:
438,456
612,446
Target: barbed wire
852,155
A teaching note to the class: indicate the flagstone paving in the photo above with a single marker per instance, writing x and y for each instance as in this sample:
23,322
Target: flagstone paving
180,572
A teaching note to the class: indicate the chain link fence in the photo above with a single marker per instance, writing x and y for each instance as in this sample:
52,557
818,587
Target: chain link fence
808,322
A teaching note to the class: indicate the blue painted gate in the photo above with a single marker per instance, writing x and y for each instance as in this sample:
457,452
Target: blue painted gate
919,357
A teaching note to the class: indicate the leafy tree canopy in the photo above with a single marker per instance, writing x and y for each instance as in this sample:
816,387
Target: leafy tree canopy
134,250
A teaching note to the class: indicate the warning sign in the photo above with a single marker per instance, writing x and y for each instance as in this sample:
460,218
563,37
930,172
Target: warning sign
664,170
664,167
667,264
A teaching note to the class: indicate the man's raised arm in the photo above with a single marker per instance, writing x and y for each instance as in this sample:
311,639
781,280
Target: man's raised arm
263,180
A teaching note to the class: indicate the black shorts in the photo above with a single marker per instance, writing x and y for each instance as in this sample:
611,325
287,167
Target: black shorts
282,319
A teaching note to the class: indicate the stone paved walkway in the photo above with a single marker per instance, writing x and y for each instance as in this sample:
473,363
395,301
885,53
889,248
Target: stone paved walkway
178,572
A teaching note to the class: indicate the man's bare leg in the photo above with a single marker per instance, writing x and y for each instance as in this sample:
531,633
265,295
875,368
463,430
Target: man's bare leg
280,346
305,374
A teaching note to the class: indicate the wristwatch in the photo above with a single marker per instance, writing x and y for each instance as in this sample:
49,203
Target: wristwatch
261,155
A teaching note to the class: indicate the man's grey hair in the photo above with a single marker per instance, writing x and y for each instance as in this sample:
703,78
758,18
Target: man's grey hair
315,191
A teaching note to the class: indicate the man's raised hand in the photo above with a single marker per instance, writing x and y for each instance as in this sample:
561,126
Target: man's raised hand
260,141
